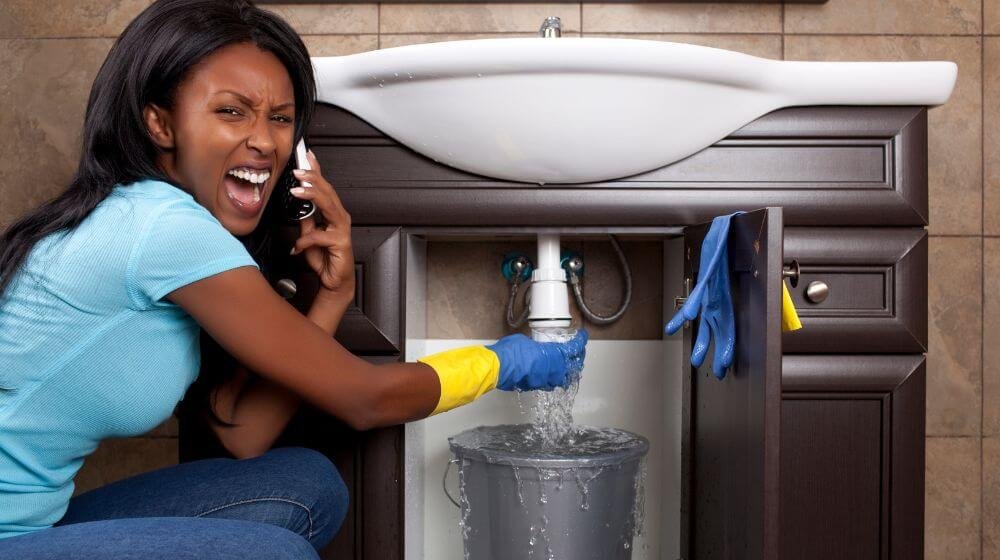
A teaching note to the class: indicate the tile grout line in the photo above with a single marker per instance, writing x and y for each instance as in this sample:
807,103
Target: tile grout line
675,32
982,268
783,57
496,32
379,33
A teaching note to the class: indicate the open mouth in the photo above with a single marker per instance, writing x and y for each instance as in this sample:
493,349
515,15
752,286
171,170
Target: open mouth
245,188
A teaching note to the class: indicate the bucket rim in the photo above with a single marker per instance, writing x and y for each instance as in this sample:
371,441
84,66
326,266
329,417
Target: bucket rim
547,461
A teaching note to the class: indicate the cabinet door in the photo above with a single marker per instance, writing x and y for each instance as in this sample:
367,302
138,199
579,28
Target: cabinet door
732,426
852,457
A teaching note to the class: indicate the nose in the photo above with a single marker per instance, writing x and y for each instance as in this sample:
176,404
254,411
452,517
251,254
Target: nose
260,138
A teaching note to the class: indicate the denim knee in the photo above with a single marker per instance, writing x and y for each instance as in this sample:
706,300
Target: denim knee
160,538
269,542
321,485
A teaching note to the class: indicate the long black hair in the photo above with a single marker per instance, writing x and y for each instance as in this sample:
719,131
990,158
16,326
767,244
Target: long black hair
149,60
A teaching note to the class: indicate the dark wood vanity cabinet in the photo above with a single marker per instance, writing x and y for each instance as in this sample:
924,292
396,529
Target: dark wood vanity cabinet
829,459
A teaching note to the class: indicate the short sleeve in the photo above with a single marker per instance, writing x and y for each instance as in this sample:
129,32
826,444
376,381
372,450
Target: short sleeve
180,242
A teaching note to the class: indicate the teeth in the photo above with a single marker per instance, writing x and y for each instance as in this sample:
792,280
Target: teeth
252,176
256,194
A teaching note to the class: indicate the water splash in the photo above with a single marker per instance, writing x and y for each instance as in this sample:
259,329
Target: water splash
520,484
551,412
639,507
463,500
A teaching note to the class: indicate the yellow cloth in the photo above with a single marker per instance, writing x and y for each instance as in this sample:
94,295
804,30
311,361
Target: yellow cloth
789,317
465,373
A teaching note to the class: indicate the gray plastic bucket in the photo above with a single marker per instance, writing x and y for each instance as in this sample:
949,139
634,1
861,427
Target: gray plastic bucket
575,505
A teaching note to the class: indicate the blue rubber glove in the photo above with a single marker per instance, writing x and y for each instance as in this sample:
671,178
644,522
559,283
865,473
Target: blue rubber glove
528,365
712,299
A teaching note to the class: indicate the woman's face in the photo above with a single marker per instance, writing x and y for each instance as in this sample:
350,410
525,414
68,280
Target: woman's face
233,115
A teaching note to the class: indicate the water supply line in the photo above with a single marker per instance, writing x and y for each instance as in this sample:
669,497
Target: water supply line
575,266
551,294
519,269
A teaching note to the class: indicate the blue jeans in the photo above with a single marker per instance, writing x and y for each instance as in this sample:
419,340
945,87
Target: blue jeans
285,504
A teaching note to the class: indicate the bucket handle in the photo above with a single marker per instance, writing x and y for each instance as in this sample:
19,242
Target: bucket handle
444,482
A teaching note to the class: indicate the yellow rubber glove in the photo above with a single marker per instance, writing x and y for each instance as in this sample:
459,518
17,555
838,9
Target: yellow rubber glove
465,373
789,316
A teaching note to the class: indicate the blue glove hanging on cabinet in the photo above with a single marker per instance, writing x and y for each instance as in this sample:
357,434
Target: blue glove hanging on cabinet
712,299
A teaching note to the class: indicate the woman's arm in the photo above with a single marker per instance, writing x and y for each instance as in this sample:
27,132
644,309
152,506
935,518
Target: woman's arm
261,409
270,337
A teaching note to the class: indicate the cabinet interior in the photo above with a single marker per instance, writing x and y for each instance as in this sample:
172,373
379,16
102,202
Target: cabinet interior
635,385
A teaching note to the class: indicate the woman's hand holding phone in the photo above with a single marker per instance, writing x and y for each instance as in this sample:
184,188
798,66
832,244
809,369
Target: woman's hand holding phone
327,249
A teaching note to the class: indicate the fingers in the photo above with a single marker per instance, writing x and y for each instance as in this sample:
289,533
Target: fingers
313,160
322,194
307,225
702,343
577,346
325,238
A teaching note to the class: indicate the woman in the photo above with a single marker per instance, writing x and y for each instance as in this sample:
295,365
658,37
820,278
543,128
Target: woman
104,290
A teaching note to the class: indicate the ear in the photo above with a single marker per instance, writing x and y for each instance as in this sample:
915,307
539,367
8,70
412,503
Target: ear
157,122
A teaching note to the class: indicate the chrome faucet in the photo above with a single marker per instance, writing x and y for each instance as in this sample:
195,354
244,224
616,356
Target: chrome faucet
551,27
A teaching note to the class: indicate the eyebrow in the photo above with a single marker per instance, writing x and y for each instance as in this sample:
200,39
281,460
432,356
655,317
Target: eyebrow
247,100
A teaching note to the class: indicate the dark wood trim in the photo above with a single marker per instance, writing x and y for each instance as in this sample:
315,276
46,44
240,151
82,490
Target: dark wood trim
900,255
384,183
909,404
555,1
371,464
845,373
382,496
372,324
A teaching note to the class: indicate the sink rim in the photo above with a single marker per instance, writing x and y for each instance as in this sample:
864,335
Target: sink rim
433,118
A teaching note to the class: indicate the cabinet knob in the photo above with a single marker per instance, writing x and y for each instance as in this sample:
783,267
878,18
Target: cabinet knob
286,287
817,291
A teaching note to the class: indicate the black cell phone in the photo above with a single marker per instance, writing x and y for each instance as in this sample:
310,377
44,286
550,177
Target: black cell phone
296,208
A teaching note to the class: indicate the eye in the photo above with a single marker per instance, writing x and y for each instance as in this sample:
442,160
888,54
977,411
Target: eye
283,118
229,110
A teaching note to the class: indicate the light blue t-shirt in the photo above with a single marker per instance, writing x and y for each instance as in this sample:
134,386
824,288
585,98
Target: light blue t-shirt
88,349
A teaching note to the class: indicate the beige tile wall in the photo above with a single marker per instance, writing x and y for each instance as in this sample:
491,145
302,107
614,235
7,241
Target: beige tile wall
53,49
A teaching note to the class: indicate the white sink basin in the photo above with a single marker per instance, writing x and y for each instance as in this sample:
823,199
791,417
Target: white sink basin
572,110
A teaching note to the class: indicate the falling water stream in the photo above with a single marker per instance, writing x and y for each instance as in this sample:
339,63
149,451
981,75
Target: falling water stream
549,455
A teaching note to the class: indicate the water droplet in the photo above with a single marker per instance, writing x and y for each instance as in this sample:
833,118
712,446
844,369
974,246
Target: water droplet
520,484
